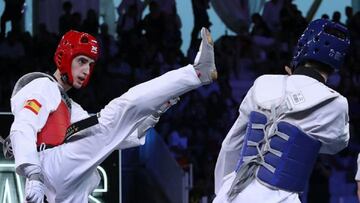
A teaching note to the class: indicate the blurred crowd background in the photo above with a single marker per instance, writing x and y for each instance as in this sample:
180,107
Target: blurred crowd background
146,46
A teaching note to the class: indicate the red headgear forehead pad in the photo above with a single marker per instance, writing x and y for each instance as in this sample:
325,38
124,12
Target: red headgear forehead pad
73,44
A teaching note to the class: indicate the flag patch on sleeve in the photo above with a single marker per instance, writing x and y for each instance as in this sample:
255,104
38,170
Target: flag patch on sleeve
33,106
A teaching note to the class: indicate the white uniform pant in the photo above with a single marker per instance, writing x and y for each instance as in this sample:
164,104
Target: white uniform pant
255,192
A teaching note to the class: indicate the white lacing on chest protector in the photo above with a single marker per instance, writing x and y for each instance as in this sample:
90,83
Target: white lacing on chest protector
246,173
270,130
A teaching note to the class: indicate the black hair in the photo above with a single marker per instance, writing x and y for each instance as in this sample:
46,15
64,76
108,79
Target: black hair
313,69
319,66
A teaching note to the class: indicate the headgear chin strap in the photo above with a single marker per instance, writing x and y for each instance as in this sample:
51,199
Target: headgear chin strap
71,45
323,41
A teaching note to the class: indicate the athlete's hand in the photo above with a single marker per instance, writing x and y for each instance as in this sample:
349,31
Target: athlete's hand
34,190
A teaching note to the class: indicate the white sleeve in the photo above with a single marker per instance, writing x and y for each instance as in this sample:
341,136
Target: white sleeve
152,94
357,177
330,125
139,135
132,141
30,118
230,149
77,112
123,115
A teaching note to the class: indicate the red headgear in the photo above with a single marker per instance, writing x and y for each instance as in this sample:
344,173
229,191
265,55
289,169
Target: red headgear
71,45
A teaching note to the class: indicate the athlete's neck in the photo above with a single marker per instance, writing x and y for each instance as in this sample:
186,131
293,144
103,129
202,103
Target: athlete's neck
64,85
310,72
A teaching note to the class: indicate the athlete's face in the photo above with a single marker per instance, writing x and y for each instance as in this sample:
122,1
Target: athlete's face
80,67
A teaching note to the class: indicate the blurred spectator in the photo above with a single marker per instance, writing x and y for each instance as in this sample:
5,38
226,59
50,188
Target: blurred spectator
259,28
325,16
166,6
124,6
292,24
128,24
76,21
336,17
153,24
13,12
172,35
271,14
172,60
65,20
12,48
349,15
355,29
91,23
45,44
28,43
288,14
201,18
108,46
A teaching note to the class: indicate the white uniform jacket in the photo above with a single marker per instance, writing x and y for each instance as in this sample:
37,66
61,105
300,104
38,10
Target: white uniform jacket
319,111
70,169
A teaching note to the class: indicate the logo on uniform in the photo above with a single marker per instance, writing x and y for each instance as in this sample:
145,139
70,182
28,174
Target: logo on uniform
94,49
33,105
297,98
335,54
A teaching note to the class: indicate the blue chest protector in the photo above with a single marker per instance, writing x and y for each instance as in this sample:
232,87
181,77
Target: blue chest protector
283,154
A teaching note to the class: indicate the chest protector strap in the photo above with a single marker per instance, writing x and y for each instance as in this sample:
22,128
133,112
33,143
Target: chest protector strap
278,154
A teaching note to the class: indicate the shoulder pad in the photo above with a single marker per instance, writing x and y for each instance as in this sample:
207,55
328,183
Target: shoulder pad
297,92
27,78
269,90
304,97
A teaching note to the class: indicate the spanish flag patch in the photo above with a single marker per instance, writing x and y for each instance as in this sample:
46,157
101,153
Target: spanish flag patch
33,106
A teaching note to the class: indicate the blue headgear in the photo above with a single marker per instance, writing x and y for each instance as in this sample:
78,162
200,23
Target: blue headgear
323,41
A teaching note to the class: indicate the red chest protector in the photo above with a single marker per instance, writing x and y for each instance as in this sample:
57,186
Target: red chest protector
53,133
